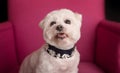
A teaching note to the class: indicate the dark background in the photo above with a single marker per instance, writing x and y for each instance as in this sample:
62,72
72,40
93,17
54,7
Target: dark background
3,11
112,10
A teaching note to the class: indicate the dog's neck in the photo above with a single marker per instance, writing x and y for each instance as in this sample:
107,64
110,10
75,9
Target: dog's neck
59,53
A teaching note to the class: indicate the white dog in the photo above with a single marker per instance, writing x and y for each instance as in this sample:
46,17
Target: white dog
61,30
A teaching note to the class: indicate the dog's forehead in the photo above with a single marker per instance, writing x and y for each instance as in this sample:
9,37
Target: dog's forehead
61,12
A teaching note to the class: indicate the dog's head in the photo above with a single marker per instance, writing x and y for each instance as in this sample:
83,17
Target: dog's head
61,28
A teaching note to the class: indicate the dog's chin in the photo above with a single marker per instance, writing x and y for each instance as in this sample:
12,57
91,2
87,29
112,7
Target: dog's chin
61,36
63,40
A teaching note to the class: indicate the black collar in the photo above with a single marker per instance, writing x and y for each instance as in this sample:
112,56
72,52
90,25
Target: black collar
56,52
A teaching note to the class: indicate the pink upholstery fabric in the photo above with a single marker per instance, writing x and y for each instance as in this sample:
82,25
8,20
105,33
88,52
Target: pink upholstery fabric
8,61
108,46
26,14
89,68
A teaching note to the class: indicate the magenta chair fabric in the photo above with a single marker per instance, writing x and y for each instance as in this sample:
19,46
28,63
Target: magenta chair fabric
108,46
86,67
99,44
8,61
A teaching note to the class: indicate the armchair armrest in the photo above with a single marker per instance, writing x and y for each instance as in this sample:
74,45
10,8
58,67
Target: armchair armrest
108,46
8,60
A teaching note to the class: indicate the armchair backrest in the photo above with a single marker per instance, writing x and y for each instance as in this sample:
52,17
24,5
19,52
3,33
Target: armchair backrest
26,14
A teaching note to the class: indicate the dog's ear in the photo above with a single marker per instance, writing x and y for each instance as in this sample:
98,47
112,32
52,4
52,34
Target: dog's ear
41,24
79,18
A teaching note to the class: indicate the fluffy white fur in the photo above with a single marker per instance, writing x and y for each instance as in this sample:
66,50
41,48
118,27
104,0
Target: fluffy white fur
40,61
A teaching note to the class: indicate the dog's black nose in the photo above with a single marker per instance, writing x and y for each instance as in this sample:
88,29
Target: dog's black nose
59,28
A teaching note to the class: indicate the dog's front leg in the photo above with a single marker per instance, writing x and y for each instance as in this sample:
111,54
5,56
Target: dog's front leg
74,70
25,68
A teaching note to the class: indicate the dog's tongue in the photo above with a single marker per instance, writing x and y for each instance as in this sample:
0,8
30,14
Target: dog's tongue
61,35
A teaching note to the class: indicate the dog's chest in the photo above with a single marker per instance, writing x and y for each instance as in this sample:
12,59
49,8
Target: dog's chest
51,64
56,66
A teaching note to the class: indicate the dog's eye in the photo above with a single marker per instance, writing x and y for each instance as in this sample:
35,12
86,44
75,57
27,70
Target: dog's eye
52,23
67,21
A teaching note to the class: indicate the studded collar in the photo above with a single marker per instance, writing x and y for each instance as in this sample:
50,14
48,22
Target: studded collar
59,53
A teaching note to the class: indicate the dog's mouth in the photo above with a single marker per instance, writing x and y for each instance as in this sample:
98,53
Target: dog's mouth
61,36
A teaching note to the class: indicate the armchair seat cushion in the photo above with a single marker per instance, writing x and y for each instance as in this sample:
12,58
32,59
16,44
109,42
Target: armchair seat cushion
86,67
14,69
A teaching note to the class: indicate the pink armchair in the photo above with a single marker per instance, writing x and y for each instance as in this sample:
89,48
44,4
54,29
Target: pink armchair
99,45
